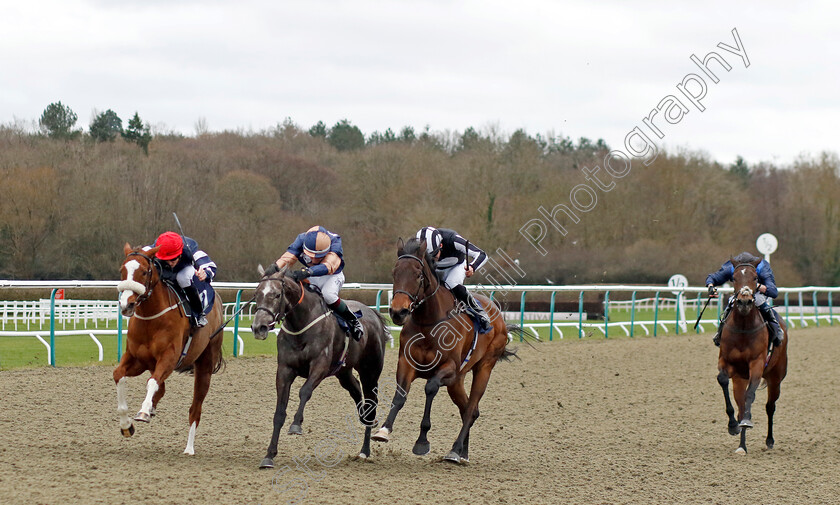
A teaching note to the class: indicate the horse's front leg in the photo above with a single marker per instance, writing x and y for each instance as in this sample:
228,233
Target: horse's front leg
163,369
284,379
444,375
740,387
723,380
405,376
317,372
129,366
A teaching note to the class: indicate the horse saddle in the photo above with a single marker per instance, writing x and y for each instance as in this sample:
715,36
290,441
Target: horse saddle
206,294
341,322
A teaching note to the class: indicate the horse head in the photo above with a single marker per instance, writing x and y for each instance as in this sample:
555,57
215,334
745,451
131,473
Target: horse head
745,281
412,278
138,276
271,303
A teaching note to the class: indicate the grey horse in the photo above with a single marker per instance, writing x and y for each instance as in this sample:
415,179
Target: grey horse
311,344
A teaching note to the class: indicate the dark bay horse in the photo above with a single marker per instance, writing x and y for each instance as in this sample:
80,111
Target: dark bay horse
311,344
744,357
157,333
437,344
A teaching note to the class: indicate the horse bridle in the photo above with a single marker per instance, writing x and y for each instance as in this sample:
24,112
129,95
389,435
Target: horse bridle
420,289
148,285
275,317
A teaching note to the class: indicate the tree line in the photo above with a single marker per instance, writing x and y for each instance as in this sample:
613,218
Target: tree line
69,201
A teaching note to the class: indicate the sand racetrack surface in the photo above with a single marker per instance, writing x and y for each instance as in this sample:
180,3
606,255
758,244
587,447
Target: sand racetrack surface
602,422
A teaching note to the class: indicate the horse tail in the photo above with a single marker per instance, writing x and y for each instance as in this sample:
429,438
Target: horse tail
220,364
386,335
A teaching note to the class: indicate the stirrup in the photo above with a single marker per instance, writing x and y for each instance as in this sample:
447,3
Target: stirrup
716,339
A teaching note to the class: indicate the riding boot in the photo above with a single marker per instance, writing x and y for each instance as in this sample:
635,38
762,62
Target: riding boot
198,320
776,333
726,311
343,311
464,296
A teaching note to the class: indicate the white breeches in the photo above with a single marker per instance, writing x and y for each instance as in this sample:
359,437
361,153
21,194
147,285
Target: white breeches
329,285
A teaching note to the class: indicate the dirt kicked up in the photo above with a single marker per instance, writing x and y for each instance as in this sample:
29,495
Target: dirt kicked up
607,422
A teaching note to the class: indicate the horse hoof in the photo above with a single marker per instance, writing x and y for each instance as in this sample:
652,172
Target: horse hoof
746,423
381,435
770,445
452,457
127,432
421,449
143,417
735,430
267,463
363,455
189,452
295,429
741,451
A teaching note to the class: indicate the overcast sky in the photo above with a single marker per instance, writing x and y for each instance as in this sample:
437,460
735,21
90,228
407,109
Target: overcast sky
572,68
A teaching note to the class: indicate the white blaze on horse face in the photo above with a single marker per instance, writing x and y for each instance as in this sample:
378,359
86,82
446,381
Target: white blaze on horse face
743,271
191,441
266,290
122,404
151,389
130,286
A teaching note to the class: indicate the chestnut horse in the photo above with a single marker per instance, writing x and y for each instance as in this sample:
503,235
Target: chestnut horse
438,343
311,344
157,333
744,357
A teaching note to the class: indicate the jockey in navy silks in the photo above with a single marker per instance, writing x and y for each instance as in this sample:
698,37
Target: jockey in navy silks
455,262
766,290
183,262
320,253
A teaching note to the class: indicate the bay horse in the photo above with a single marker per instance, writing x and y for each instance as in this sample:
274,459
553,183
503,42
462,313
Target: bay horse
311,344
438,343
744,356
157,333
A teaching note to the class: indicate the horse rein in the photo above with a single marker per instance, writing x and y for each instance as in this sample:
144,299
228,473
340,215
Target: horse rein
414,303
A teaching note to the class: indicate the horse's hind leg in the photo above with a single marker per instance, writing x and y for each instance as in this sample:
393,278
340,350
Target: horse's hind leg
369,376
459,397
481,377
128,367
774,389
203,371
283,381
351,384
723,380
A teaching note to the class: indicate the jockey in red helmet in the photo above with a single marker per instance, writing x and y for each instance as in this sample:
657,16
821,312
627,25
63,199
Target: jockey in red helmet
319,251
182,261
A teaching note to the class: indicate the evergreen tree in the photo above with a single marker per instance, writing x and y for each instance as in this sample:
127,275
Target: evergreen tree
106,126
345,136
138,133
57,121
319,129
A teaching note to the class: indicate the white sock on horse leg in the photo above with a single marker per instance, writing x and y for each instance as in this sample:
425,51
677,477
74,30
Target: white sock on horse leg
122,404
191,441
151,388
